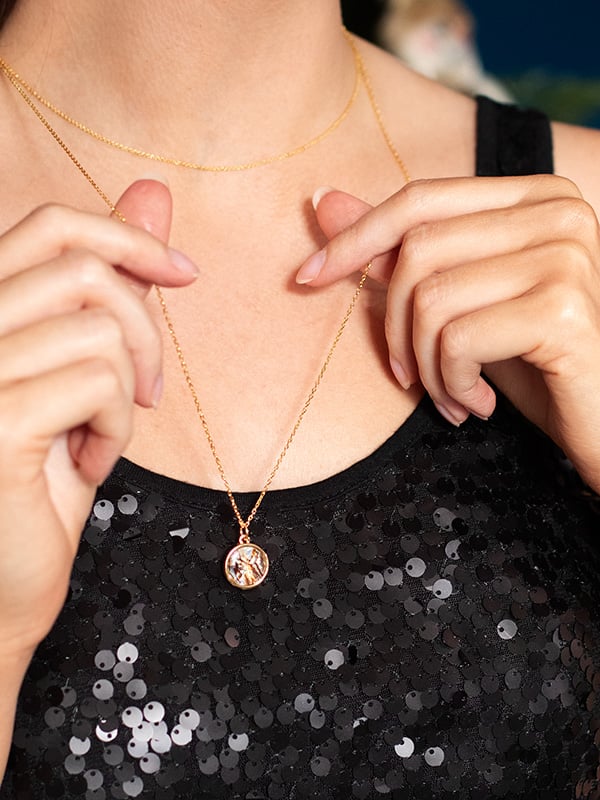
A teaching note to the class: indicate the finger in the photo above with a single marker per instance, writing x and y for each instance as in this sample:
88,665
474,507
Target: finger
60,341
487,336
448,243
445,243
82,280
533,327
419,308
87,393
337,210
51,230
146,204
383,228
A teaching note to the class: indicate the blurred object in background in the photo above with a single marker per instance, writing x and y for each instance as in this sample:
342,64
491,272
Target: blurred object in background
568,98
436,38
545,54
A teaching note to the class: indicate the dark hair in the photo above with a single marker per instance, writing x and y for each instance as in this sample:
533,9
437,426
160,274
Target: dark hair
6,6
362,16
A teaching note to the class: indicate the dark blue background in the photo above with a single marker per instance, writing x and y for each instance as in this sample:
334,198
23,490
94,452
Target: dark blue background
558,36
547,52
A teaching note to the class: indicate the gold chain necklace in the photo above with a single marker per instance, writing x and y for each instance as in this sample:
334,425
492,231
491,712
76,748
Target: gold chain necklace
246,564
18,81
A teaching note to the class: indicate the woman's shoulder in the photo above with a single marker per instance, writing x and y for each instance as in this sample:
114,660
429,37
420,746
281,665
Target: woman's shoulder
577,157
436,127
433,126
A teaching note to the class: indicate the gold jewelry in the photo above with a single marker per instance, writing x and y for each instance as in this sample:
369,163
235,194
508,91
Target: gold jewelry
246,564
16,79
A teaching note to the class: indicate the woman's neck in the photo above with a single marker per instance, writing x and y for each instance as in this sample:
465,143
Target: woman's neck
213,80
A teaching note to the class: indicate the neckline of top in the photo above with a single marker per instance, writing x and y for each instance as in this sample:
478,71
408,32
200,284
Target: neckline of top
422,417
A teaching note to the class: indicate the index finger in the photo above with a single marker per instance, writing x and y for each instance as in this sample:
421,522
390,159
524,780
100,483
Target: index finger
51,229
382,229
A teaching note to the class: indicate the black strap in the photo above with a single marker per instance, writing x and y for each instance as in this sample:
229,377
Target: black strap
511,140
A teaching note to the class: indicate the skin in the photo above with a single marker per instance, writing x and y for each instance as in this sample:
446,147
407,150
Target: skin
468,274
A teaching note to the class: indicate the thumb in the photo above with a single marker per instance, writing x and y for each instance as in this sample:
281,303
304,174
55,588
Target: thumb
147,204
336,211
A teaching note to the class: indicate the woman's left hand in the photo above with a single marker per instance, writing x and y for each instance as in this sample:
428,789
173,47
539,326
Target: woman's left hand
492,275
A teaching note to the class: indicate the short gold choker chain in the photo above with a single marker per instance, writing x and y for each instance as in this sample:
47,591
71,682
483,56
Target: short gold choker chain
26,88
246,564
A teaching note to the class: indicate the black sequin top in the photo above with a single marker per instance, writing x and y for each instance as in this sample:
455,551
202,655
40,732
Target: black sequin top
428,630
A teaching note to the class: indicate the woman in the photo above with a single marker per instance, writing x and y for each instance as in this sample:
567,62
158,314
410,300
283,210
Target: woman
427,624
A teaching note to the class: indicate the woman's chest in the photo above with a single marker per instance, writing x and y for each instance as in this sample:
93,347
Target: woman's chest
259,376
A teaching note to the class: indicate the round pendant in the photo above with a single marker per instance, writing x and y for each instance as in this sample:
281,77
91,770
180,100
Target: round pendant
246,566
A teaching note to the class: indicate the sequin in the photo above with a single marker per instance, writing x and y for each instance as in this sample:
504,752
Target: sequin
123,671
507,629
127,653
154,711
150,763
434,756
105,660
405,748
94,780
106,735
442,588
137,748
133,787
132,717
415,567
181,736
79,747
103,510
334,659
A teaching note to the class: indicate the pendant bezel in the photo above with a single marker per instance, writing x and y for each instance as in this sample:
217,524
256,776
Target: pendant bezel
259,562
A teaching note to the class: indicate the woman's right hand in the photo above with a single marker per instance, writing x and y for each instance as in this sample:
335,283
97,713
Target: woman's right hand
77,349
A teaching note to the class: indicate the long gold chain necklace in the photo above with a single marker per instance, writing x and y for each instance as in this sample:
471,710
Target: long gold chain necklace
246,564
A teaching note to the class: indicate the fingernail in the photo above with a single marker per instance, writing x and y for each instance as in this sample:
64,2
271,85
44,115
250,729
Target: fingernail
479,416
154,176
157,391
400,374
454,419
311,268
320,194
183,263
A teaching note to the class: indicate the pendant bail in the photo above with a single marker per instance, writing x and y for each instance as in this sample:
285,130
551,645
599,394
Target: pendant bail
244,533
